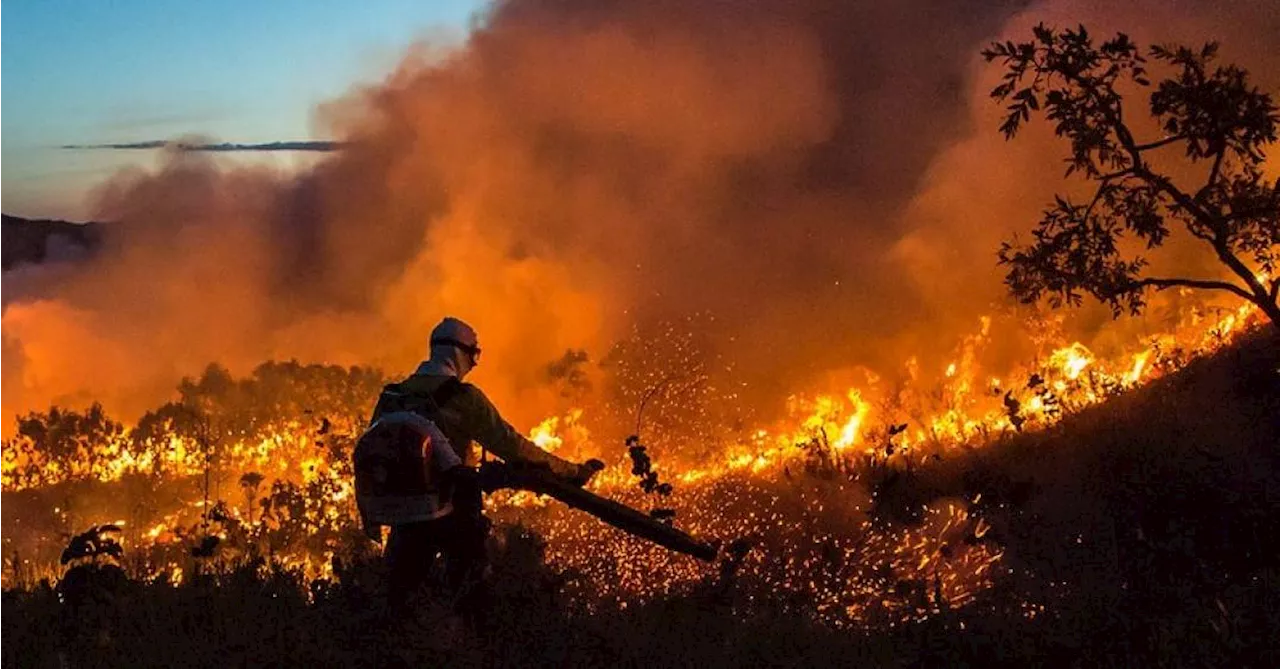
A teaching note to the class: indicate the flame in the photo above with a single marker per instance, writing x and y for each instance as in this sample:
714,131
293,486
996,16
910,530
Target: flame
742,489
1139,364
1072,360
544,435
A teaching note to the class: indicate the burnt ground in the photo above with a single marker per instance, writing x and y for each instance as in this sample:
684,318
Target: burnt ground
1146,528
1147,524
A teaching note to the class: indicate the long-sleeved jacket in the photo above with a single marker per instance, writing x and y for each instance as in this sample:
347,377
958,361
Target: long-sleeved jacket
471,418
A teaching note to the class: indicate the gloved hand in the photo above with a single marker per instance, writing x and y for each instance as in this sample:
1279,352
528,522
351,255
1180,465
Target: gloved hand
585,471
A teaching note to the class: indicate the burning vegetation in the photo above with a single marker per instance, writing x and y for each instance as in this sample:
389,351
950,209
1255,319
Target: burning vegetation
259,467
520,182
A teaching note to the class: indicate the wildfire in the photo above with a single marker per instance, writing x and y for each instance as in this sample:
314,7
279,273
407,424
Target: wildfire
846,569
1072,360
544,435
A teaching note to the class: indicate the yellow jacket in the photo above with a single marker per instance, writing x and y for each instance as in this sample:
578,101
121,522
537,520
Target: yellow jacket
470,418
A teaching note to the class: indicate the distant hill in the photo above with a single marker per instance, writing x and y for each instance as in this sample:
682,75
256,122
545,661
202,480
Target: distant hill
34,241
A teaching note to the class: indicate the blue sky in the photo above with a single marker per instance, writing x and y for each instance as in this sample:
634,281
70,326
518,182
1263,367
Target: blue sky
244,71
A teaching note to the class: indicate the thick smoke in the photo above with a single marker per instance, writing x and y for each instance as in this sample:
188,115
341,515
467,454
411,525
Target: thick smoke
982,190
824,178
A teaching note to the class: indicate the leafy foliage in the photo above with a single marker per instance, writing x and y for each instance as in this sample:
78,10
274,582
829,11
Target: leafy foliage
1212,112
274,392
92,544
1150,546
642,469
69,433
178,437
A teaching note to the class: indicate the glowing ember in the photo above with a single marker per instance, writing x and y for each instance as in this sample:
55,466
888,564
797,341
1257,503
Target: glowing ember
811,538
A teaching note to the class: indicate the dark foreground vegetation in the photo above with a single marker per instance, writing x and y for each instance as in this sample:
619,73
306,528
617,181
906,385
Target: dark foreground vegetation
1141,532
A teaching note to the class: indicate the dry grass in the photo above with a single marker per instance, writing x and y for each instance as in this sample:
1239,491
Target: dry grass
1143,526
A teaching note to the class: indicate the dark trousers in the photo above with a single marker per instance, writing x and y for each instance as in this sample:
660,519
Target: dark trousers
459,538
412,551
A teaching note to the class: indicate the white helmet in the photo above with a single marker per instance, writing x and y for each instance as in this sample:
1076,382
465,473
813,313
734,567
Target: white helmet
450,339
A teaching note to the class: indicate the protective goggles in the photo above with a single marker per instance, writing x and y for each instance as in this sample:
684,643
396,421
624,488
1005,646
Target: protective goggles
473,351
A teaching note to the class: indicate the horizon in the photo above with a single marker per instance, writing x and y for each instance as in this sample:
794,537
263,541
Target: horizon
77,77
788,339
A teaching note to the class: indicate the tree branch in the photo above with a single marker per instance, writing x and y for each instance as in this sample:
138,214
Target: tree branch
1161,284
1097,197
1259,292
1116,175
1185,201
1213,172
1216,224
1114,115
1160,181
1159,143
1139,169
1217,166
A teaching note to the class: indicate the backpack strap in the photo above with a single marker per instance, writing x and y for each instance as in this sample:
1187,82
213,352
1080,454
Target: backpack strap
429,402
440,397
396,397
445,392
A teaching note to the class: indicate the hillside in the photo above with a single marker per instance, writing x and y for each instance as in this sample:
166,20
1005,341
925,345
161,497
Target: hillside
32,241
1147,524
1139,532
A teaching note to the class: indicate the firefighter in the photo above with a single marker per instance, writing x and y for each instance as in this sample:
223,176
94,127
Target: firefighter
466,418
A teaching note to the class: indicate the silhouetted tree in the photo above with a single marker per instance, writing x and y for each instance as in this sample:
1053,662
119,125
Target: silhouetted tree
1213,113
62,444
